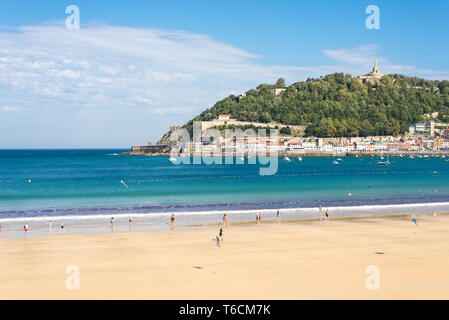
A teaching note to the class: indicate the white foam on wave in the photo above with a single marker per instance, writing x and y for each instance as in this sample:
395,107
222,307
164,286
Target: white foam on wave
336,210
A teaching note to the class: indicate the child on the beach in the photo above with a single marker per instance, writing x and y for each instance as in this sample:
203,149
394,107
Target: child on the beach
218,241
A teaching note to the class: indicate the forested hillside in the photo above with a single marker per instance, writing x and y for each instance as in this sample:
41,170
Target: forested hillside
339,105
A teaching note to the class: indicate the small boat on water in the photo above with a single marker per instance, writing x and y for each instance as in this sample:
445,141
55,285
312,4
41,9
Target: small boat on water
339,159
336,162
172,159
383,163
299,159
287,159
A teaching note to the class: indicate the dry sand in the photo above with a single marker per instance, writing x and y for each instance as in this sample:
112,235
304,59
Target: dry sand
267,261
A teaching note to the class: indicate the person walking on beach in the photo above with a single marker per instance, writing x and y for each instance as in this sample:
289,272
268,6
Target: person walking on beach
172,218
225,220
62,226
112,224
221,234
25,228
415,222
321,213
327,215
49,226
277,216
130,221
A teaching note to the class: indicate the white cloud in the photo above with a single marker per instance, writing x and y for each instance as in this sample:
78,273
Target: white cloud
356,56
9,109
124,68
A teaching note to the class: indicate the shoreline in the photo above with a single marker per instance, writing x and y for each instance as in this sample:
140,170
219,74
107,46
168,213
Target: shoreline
310,154
98,227
267,261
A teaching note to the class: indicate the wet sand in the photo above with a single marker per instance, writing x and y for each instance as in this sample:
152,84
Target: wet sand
293,260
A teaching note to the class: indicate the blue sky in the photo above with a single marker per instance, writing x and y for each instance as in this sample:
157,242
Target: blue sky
136,67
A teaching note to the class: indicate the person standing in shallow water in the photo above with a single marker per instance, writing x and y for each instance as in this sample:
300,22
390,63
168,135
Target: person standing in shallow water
172,222
130,221
277,216
327,215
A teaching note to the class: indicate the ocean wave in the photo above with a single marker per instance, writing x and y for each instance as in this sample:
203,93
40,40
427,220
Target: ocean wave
196,212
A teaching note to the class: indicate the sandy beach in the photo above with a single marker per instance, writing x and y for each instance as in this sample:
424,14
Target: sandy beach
289,260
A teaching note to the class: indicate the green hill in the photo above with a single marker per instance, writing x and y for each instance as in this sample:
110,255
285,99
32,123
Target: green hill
340,105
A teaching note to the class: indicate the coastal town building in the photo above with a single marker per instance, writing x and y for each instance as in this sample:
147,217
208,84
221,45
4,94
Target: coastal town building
224,117
422,127
438,144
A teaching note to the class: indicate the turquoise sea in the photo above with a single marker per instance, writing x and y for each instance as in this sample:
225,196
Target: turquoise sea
87,184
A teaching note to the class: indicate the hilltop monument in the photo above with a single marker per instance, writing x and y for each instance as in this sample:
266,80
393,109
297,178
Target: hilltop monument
371,77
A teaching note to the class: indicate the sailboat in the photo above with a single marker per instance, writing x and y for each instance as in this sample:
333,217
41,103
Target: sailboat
384,163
